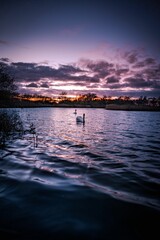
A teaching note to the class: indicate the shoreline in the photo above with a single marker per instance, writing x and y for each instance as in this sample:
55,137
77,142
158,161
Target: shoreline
30,104
111,106
127,107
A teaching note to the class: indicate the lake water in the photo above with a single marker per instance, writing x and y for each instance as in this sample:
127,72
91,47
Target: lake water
98,180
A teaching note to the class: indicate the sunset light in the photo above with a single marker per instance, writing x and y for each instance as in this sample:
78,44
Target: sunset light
79,119
92,48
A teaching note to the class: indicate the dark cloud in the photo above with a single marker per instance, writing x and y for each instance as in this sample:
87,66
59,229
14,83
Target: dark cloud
23,65
69,69
32,85
139,65
31,72
4,42
85,79
112,80
44,85
146,63
101,68
117,86
152,73
150,61
131,56
121,71
5,60
89,74
139,83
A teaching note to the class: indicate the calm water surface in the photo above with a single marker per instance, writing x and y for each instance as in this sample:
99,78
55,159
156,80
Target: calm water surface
98,180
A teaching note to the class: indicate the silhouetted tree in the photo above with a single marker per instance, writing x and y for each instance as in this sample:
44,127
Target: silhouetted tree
7,85
89,96
63,96
11,126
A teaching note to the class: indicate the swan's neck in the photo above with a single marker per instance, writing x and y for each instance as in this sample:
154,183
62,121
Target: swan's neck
83,118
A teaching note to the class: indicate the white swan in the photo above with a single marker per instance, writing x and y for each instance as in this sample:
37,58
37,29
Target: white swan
75,112
80,119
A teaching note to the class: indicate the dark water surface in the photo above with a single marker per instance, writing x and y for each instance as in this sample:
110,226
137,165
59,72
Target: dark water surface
100,180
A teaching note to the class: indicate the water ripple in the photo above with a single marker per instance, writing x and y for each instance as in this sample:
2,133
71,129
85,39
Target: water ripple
108,156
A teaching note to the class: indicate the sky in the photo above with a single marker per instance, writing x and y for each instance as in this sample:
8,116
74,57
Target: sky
103,47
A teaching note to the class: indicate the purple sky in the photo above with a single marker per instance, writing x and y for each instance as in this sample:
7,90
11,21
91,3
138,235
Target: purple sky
105,47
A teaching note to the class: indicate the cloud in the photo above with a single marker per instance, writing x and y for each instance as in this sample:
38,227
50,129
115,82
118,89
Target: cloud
141,83
44,85
151,73
4,42
99,66
122,71
32,72
23,65
7,60
85,78
148,62
69,69
131,56
32,85
87,74
112,80
117,86
100,69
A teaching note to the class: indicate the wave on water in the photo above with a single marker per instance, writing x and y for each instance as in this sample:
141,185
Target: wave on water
82,180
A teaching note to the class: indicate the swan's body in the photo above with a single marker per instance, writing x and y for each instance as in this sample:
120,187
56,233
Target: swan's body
80,119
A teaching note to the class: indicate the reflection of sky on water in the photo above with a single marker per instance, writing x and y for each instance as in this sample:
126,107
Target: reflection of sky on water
79,178
113,150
